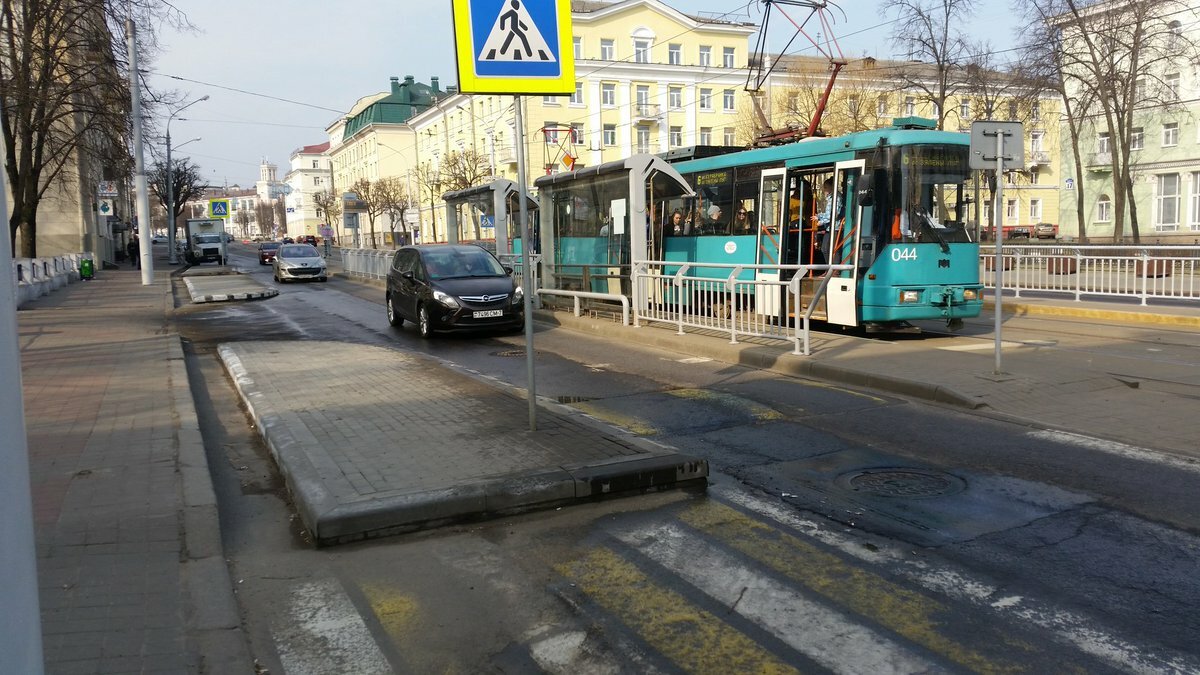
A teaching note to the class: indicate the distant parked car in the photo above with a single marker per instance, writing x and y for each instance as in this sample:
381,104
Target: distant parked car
288,240
306,239
452,287
158,239
299,261
1045,231
267,251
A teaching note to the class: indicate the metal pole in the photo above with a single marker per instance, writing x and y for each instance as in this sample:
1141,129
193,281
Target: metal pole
526,268
171,257
20,614
998,230
139,176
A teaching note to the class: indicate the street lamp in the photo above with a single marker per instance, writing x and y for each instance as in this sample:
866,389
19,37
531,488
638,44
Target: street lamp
172,257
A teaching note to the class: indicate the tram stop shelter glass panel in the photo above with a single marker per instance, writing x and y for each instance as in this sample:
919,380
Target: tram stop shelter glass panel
487,215
597,220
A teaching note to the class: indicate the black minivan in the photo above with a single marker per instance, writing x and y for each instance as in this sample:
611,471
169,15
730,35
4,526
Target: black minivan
452,287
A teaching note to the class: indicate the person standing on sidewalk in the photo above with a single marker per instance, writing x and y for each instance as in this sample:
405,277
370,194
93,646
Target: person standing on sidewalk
134,250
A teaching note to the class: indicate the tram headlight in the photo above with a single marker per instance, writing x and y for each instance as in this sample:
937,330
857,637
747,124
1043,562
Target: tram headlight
970,294
909,297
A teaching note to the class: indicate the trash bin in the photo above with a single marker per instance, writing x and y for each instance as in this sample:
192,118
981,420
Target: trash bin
87,268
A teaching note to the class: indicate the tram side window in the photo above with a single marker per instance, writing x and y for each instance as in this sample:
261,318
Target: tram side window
713,209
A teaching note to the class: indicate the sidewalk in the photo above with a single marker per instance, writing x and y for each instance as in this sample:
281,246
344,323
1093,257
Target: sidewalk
130,568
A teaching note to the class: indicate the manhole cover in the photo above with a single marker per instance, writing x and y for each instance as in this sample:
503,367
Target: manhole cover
511,352
906,483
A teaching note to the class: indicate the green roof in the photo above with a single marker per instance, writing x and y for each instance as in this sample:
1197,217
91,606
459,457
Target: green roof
406,99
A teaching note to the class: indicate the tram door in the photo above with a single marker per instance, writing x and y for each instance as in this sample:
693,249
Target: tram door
772,215
842,244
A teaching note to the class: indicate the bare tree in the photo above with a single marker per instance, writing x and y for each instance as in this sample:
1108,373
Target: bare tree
265,214
429,182
394,200
851,105
1120,64
66,101
369,193
464,169
241,218
186,182
930,33
329,206
279,205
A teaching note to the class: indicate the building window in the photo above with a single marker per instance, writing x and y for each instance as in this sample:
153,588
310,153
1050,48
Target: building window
1170,134
1102,142
1035,210
1139,90
1195,215
1168,202
1035,140
577,132
1034,176
1011,212
705,135
1104,209
317,181
1012,110
964,108
727,100
642,95
577,97
1137,138
675,54
675,139
675,97
705,55
608,94
641,51
610,135
706,99
578,42
606,50
316,163
1171,80
727,57
881,106
643,139
910,106
551,131
549,100
852,104
730,136
1035,112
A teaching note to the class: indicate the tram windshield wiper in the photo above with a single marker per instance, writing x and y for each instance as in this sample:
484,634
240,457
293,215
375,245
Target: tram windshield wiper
928,226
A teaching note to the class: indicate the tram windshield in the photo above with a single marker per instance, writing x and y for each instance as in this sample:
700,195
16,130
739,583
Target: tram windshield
933,196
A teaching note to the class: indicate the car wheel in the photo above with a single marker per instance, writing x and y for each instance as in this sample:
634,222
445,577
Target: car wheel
393,316
423,325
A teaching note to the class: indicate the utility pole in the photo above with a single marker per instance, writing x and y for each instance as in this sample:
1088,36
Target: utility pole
20,614
139,176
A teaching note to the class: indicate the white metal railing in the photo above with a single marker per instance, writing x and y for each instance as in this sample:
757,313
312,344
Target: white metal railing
720,301
1143,272
579,295
367,262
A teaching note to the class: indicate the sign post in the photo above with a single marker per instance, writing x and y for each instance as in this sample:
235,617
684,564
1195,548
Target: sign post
992,144
516,47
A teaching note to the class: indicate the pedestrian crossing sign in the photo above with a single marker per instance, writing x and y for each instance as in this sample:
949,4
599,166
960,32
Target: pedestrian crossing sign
514,46
218,208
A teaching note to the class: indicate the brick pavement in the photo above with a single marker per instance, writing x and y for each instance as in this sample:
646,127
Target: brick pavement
374,440
113,444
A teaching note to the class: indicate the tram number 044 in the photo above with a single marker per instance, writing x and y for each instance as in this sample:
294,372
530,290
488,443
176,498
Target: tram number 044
901,253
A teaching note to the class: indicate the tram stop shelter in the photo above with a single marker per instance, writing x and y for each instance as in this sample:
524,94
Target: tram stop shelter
598,220
486,213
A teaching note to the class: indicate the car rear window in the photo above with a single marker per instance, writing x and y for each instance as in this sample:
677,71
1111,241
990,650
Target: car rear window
269,246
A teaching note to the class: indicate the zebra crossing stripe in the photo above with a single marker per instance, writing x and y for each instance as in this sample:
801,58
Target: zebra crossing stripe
823,634
694,639
320,631
910,614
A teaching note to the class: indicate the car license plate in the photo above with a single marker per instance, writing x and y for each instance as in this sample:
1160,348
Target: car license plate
487,313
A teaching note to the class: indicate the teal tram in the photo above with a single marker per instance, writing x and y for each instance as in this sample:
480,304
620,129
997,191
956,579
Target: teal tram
877,224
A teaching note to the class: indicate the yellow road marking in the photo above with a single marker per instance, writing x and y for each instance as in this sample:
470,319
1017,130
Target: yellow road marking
692,638
397,613
634,425
756,410
908,613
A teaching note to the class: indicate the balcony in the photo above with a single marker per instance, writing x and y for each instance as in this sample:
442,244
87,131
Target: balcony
1100,161
645,112
506,153
1038,158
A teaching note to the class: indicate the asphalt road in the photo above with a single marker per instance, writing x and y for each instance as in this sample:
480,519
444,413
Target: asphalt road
983,546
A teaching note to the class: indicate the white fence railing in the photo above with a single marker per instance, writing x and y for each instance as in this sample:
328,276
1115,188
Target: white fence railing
720,301
1143,272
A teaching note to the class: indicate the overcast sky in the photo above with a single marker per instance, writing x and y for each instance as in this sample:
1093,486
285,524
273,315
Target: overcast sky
323,56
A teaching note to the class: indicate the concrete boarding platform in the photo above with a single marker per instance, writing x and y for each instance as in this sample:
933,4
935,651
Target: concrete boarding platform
374,442
226,286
